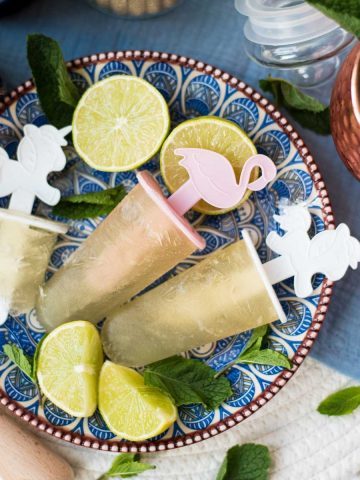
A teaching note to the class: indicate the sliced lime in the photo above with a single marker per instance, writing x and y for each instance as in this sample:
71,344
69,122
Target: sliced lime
131,409
120,123
211,133
69,363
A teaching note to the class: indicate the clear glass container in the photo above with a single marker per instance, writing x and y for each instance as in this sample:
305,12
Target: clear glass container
293,37
135,9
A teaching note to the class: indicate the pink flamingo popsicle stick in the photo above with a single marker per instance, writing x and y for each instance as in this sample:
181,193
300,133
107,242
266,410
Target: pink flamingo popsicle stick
212,179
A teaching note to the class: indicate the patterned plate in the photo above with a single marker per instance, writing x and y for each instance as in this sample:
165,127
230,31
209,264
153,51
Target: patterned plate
191,89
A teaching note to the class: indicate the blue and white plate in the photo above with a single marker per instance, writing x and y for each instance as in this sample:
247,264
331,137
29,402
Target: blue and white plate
191,89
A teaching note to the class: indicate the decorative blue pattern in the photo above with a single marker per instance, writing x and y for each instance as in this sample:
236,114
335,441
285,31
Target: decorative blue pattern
190,94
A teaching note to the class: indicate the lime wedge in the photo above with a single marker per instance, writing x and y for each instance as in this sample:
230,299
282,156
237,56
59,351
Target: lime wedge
120,123
69,363
212,133
131,409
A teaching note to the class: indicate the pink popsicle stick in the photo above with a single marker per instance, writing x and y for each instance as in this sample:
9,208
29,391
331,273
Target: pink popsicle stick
212,179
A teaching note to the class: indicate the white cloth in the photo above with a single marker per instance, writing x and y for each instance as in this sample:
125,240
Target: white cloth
303,443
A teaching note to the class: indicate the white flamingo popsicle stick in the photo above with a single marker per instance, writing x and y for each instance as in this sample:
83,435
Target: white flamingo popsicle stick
330,252
212,179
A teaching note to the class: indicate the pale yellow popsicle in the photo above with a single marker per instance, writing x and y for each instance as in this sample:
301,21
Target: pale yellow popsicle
136,244
223,295
26,243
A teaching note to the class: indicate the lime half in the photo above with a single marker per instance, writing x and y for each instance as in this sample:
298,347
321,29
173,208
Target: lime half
211,133
131,409
120,123
69,363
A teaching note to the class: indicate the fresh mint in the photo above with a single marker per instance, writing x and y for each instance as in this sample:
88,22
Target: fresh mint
306,110
58,95
255,352
265,357
342,402
256,339
126,465
90,205
188,381
249,461
344,12
23,361
26,363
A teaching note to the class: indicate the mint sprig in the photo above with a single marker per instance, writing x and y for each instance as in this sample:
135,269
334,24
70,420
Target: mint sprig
255,352
188,381
340,403
306,110
90,205
19,357
249,461
126,465
27,364
58,95
344,12
265,357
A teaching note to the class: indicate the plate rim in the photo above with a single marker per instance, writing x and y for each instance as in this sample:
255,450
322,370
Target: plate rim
326,290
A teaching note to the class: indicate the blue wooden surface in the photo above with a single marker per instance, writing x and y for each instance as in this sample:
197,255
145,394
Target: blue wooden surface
210,30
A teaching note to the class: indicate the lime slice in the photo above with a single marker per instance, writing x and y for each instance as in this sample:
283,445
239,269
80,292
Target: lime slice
212,133
120,123
131,409
69,363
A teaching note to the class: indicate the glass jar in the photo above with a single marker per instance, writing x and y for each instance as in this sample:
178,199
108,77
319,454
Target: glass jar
136,9
292,36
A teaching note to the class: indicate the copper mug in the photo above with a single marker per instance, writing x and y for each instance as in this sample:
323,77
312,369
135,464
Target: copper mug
345,111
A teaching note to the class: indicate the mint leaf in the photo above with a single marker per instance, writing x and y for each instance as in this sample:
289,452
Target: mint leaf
265,357
23,361
284,92
90,205
254,353
317,122
126,465
256,339
306,110
342,402
245,462
58,95
188,381
344,12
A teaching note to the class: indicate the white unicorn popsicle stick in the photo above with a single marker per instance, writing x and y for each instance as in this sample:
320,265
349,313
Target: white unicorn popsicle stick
228,292
26,241
143,237
330,252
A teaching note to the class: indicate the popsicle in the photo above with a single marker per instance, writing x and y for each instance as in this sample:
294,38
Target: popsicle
143,238
227,293
26,241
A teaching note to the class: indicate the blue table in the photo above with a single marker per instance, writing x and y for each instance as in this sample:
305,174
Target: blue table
210,30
